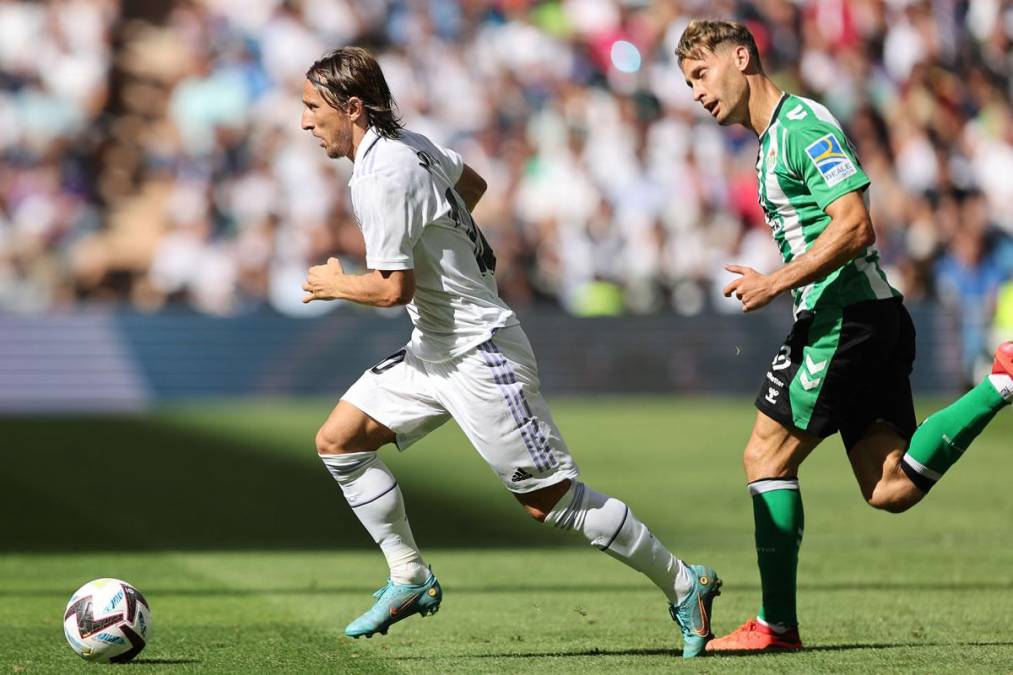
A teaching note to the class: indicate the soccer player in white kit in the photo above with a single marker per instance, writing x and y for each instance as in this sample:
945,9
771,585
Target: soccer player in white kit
468,357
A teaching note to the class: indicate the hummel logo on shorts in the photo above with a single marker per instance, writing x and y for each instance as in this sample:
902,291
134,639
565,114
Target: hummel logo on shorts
519,475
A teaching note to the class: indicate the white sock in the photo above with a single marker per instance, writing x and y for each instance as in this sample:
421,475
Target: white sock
1003,384
371,491
611,526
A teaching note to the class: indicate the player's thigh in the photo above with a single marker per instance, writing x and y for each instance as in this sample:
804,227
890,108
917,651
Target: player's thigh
775,450
840,369
348,429
494,394
392,402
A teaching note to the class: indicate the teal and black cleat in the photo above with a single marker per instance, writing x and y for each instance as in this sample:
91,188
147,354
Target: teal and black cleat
395,602
693,614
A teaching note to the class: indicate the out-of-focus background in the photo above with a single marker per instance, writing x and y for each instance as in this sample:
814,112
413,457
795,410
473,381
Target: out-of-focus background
153,165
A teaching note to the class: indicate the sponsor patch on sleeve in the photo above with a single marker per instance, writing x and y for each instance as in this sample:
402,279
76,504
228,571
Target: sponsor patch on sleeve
830,160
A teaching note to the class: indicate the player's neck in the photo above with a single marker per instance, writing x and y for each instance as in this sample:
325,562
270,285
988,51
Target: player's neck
764,96
358,133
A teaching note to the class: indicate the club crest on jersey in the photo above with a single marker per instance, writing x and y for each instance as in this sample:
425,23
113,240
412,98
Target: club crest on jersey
771,159
830,160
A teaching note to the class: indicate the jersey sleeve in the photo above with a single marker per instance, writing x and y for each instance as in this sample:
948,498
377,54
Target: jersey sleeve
391,221
821,156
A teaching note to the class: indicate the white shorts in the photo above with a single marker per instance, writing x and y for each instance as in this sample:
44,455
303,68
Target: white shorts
492,392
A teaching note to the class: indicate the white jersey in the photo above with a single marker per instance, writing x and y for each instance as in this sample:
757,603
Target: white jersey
412,218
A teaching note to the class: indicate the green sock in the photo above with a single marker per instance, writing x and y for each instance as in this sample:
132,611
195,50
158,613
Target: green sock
941,439
777,513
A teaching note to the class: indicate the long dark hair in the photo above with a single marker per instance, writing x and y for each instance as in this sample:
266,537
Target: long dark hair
352,71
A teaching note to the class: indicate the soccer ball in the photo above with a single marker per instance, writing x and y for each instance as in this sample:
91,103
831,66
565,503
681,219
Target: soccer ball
107,620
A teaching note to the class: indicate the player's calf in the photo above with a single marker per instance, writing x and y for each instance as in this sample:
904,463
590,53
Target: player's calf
610,526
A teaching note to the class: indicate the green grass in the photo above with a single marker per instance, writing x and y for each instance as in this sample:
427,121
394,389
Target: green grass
223,517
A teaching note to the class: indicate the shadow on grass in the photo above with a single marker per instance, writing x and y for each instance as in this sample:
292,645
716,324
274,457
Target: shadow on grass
542,655
676,653
136,484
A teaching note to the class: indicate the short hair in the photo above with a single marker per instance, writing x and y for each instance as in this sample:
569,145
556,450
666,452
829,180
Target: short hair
706,35
343,73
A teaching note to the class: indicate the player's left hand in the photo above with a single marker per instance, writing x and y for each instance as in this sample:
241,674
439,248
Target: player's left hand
320,280
755,290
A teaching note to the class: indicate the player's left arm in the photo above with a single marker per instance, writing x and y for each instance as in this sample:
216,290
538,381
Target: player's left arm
847,235
378,288
470,186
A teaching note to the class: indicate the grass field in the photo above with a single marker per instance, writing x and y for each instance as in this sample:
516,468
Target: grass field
223,517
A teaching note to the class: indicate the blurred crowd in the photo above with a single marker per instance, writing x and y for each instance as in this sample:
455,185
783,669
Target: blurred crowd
150,153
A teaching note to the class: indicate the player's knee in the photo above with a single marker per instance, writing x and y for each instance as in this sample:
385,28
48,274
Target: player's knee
758,462
535,512
893,497
888,504
331,444
752,458
539,503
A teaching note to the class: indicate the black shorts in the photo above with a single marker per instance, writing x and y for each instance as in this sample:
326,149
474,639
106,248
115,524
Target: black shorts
842,369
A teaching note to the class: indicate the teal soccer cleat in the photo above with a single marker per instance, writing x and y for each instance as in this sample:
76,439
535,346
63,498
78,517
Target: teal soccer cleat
395,602
694,613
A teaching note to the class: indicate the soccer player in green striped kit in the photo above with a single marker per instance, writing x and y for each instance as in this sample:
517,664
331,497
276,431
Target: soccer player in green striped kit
845,366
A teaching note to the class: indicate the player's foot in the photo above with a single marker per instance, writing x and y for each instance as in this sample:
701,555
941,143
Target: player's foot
1002,370
693,614
395,602
753,636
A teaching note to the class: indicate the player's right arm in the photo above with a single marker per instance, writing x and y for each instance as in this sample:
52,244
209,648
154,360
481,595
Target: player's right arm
377,288
392,218
847,235
821,157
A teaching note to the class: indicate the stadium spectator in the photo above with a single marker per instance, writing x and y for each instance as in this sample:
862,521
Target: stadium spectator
156,159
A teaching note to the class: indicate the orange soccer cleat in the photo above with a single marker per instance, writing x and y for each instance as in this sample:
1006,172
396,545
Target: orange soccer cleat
753,636
1003,364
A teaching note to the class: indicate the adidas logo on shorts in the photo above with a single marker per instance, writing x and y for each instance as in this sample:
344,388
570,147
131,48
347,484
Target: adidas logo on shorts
519,475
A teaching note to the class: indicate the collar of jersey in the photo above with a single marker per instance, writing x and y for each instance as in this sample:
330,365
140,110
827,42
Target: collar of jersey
777,109
369,139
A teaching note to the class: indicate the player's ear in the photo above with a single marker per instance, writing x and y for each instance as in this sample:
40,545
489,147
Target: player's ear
741,57
355,108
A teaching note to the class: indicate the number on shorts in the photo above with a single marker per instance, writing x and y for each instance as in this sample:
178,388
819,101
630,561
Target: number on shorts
389,362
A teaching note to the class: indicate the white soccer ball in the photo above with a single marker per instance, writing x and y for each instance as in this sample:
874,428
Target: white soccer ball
108,621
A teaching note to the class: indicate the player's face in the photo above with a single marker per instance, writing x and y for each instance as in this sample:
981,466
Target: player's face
718,84
333,127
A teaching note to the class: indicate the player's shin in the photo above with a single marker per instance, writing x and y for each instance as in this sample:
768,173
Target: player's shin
375,498
942,438
610,526
779,521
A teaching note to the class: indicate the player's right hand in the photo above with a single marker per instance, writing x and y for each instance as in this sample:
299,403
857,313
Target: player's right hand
320,280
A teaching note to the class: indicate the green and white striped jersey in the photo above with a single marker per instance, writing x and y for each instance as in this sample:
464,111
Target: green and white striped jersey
804,163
